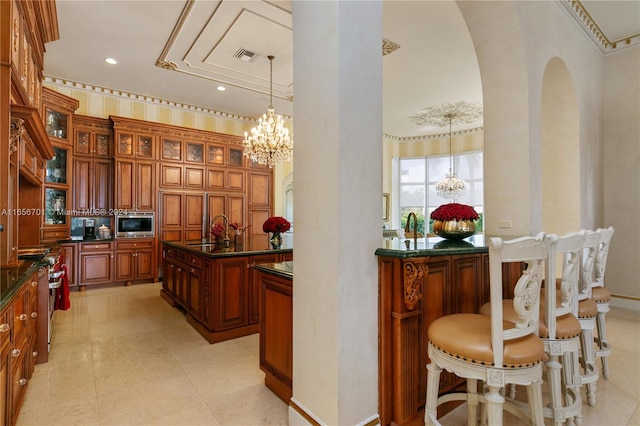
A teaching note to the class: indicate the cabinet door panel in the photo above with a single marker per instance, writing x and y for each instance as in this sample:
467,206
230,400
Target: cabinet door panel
258,240
232,293
82,184
171,210
145,186
95,268
102,184
124,266
215,179
235,209
144,264
193,177
259,190
125,181
170,176
235,180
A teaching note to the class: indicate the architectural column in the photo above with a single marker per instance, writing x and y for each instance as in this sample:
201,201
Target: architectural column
338,191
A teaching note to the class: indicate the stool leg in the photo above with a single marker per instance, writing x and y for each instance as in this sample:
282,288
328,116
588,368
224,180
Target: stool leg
589,365
495,405
433,385
472,402
534,396
554,369
603,343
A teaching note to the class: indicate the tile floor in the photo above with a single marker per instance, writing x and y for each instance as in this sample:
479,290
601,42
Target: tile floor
123,356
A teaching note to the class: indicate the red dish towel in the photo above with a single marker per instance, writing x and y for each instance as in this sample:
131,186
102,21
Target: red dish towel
62,293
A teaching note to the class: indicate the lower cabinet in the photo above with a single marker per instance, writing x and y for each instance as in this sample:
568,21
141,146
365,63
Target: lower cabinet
135,260
95,263
218,293
276,332
18,352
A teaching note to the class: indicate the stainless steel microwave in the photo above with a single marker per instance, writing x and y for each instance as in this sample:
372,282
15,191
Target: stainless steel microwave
135,225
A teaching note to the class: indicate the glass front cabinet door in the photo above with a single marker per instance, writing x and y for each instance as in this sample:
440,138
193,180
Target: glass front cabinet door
57,124
55,207
57,167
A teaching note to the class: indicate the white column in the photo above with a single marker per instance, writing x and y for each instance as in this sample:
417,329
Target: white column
337,212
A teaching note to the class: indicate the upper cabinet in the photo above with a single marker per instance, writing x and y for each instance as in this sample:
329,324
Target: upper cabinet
25,27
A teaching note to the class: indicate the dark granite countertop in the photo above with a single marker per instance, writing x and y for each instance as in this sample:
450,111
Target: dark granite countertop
282,269
82,240
219,250
435,246
12,278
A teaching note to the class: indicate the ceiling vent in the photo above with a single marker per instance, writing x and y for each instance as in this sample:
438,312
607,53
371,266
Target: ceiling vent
244,54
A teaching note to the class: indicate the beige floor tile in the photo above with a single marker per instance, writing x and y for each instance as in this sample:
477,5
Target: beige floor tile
123,356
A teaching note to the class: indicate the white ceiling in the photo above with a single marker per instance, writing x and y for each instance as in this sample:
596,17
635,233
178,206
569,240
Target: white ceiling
194,42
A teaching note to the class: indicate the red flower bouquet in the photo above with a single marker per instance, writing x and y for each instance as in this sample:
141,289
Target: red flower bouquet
454,211
276,224
217,230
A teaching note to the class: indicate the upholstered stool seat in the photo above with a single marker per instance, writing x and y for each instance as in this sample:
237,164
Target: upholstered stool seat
600,295
468,336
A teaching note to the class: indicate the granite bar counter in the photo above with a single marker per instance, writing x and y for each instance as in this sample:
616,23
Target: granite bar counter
215,285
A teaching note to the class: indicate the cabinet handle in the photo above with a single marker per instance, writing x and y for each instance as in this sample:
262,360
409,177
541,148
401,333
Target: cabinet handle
22,382
15,353
34,354
34,283
4,328
34,314
23,317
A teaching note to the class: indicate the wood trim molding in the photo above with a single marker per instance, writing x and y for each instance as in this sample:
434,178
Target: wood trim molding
34,126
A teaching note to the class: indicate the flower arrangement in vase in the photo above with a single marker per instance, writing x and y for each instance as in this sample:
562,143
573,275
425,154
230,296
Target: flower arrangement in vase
276,225
454,221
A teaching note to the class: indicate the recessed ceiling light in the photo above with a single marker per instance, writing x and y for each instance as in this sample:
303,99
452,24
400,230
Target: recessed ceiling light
110,61
221,88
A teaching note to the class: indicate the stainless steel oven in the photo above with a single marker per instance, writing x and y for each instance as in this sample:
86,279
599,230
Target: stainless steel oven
135,225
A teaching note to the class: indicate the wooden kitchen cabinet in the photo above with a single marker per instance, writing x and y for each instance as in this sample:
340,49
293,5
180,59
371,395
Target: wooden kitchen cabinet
254,284
134,144
95,263
135,185
18,332
231,293
135,260
92,166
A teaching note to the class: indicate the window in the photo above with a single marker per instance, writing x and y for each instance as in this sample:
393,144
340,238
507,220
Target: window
417,179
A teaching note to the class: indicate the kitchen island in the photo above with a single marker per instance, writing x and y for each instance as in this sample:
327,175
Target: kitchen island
215,286
420,281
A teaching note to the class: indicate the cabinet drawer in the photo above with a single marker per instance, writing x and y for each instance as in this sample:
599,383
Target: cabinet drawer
55,234
95,246
20,317
135,244
6,323
195,261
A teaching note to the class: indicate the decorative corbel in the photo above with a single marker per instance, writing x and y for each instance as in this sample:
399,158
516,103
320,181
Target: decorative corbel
413,273
17,130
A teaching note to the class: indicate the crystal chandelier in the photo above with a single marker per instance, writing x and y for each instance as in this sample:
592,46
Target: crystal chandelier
450,187
269,142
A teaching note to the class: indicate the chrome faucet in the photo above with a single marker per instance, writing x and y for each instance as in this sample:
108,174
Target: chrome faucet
226,239
407,227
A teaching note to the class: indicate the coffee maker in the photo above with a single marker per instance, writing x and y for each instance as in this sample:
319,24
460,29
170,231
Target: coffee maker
89,229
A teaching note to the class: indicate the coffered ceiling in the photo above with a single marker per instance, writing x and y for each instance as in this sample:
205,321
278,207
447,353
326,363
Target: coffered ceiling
182,50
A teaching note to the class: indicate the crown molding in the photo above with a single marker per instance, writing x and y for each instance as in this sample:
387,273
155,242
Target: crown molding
587,24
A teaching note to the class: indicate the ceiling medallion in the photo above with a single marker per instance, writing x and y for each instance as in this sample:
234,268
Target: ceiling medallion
463,112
